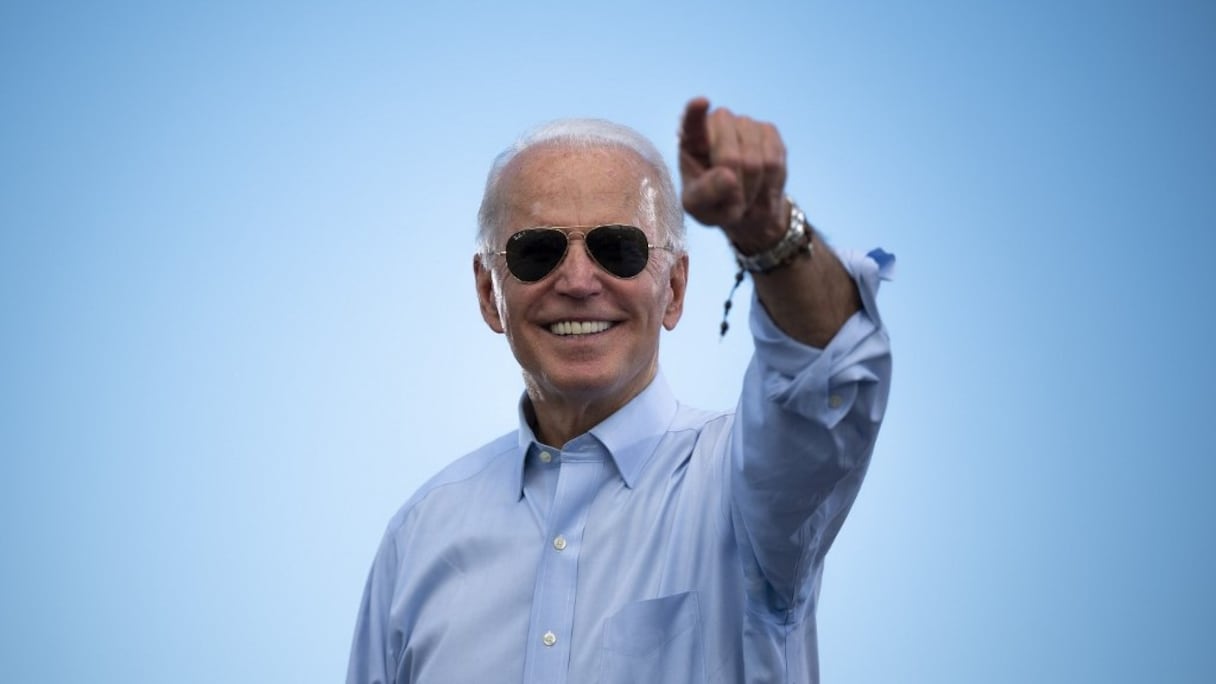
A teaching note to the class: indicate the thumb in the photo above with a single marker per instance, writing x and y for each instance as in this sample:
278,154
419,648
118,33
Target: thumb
715,198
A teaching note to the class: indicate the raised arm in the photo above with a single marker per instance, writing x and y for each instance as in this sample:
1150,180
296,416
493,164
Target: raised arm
815,391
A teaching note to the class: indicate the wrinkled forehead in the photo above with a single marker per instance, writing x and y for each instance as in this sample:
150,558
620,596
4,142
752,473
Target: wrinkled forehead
557,184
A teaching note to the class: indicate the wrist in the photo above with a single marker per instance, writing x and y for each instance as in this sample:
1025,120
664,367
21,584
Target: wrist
794,242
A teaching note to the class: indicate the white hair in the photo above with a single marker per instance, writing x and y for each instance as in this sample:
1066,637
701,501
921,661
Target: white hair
583,134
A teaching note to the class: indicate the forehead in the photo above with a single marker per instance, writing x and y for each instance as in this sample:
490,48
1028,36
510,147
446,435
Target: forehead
561,185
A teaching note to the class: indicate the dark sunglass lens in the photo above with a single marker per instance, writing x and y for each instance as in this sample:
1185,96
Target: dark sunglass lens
621,250
532,254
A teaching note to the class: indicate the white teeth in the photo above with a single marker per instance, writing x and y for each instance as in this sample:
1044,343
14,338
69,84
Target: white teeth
578,327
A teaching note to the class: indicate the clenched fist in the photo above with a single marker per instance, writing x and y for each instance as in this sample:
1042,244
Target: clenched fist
733,172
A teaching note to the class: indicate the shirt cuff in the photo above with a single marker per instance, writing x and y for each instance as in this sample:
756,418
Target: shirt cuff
822,383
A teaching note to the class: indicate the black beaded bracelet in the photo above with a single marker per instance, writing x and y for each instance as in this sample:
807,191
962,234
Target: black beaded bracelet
796,241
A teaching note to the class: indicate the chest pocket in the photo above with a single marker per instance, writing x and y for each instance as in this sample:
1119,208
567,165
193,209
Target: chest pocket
659,640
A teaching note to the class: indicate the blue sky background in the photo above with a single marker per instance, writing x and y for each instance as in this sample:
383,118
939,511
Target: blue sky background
239,327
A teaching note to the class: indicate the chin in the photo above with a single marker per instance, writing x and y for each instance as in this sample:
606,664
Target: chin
582,386
596,385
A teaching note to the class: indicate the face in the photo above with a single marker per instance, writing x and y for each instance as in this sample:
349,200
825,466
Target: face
612,362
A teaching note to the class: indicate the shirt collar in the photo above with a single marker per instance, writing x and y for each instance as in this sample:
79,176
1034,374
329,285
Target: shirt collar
630,435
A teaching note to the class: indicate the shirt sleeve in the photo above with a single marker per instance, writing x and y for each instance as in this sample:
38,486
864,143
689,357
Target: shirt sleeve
371,653
804,432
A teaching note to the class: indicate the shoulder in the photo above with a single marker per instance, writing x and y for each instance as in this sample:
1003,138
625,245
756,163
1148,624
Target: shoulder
703,423
484,467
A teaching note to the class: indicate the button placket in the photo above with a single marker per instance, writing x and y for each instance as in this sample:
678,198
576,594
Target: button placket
552,618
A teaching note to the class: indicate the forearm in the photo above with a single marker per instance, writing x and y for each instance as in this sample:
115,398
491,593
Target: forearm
810,297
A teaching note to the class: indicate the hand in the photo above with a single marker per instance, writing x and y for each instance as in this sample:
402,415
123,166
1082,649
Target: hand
733,172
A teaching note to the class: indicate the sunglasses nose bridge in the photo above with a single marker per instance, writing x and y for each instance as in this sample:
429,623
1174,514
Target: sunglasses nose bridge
578,269
581,236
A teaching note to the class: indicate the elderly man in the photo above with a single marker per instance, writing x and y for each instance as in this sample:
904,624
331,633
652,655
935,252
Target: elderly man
619,535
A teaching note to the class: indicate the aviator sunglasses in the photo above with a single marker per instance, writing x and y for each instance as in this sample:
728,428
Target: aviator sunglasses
621,250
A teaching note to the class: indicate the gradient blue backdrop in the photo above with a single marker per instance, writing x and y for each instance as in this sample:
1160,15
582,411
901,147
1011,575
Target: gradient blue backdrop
238,327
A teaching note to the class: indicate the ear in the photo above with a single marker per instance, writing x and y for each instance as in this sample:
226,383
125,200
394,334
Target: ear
486,296
677,282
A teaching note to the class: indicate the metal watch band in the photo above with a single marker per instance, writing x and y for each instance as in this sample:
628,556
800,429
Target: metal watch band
795,241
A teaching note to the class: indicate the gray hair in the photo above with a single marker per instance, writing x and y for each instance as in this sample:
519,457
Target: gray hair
583,134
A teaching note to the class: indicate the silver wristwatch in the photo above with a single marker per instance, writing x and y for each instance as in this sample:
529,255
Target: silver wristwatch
797,240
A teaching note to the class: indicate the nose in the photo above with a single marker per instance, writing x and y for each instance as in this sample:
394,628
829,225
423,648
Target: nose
577,275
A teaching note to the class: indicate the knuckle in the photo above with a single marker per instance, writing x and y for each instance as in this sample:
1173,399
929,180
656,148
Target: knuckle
722,118
730,159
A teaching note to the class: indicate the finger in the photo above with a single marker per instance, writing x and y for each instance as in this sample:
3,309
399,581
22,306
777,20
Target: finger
723,139
715,198
775,168
752,151
694,136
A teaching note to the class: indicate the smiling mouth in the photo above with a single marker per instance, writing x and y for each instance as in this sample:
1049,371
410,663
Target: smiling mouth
579,327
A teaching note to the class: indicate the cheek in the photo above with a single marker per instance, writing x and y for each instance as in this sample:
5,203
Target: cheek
659,273
652,294
659,266
512,301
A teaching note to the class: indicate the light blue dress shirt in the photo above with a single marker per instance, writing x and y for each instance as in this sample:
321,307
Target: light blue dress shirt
668,544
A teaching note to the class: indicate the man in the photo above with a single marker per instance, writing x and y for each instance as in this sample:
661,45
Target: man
619,536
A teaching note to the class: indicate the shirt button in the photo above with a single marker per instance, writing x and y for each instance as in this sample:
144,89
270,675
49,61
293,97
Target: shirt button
835,401
559,543
549,639
545,457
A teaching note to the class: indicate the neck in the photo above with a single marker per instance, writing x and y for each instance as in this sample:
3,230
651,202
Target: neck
557,420
556,423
